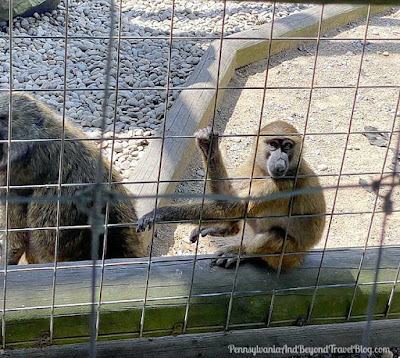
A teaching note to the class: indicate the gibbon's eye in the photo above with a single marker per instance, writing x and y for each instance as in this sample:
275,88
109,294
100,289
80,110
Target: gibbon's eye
273,144
288,146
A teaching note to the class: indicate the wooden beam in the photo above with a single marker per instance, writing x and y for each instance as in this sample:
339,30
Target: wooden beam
29,295
298,25
222,344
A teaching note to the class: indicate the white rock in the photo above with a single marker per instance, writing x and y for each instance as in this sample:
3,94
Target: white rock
97,122
126,174
139,132
118,147
39,64
125,165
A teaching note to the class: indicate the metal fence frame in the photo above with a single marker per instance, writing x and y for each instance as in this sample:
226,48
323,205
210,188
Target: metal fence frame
114,41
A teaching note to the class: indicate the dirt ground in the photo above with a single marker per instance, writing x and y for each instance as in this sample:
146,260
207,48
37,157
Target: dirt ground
329,118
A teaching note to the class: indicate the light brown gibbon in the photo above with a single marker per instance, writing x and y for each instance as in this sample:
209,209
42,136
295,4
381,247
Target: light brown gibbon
272,231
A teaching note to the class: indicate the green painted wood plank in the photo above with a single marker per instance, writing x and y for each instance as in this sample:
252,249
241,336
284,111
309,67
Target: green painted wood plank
384,333
28,298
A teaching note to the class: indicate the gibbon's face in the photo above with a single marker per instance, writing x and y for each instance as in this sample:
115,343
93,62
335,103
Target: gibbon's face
279,153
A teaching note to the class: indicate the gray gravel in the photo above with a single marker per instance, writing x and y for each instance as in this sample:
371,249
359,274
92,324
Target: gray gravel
38,63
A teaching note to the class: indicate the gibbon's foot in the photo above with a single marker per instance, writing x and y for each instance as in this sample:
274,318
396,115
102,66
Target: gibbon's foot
228,255
146,222
205,137
213,231
194,235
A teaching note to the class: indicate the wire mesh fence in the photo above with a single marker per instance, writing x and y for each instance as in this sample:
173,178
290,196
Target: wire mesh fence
120,96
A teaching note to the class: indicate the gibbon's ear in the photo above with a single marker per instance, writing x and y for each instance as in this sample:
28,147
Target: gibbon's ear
3,136
3,127
24,105
19,150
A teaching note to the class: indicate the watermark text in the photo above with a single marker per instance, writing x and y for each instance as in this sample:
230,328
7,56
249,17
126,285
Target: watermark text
301,349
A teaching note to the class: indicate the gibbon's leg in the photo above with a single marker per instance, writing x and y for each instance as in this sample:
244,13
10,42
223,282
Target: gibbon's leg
270,242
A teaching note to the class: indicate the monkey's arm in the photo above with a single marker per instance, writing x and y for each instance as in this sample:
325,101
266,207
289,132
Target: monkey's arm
219,209
212,210
208,144
17,240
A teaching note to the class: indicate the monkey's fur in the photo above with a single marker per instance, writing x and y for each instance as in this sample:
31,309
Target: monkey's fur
37,163
277,156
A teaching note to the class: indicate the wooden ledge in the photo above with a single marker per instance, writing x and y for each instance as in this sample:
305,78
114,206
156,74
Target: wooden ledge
29,295
209,345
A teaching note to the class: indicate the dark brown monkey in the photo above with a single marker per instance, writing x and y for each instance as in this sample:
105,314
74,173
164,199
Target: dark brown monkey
277,156
37,163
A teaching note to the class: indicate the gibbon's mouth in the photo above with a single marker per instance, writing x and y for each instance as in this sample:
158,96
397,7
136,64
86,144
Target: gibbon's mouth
278,168
278,175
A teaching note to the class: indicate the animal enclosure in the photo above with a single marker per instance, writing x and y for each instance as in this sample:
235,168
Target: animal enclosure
139,79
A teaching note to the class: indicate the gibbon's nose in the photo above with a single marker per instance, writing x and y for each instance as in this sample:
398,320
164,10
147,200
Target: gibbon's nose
280,165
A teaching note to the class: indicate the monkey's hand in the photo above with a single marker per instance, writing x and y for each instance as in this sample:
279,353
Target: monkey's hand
204,231
228,255
205,137
220,231
146,222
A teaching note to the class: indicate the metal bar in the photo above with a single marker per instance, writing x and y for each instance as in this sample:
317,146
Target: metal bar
167,89
374,211
388,211
341,164
68,198
60,174
245,135
206,38
230,305
107,213
283,194
193,221
7,217
270,311
326,2
221,43
98,195
195,88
